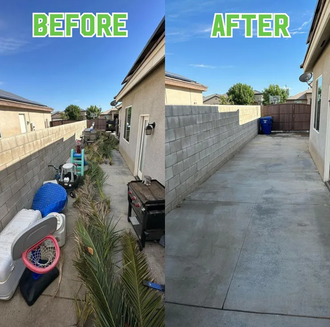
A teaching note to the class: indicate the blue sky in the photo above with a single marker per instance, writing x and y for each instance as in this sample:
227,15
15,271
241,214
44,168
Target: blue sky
63,71
220,63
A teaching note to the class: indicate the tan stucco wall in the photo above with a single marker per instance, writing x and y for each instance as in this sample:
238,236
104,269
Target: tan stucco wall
15,148
182,96
246,113
9,121
146,98
317,140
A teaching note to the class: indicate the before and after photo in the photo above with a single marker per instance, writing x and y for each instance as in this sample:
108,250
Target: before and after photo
165,163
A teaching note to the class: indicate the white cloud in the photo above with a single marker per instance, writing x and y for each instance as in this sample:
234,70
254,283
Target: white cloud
202,66
297,32
302,28
212,67
11,44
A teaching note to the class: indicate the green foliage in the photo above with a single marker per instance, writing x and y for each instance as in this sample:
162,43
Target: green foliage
224,100
64,116
116,296
97,245
147,308
73,112
241,94
93,112
273,90
101,150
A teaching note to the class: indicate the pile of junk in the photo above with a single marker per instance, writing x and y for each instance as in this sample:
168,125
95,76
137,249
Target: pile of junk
90,135
31,242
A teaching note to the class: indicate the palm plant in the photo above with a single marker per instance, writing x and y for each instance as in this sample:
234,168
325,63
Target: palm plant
116,295
146,305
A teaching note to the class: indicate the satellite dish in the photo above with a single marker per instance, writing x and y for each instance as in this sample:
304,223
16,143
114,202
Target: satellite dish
113,103
305,77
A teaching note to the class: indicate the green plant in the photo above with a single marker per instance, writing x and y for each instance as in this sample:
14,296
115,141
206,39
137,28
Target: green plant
241,94
98,243
147,307
273,90
224,100
116,295
93,112
73,112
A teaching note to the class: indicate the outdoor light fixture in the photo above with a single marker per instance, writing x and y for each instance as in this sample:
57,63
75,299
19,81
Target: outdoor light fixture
150,128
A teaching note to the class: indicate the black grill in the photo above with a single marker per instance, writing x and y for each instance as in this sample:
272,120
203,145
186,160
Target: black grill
148,204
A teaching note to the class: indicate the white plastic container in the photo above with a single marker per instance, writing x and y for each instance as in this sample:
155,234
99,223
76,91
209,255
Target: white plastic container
60,233
11,271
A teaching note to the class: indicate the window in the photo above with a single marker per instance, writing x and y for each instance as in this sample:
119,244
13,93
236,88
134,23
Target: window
318,103
128,114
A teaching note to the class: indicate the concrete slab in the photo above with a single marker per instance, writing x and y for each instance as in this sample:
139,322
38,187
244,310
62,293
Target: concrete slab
270,252
284,256
179,315
47,311
204,251
118,175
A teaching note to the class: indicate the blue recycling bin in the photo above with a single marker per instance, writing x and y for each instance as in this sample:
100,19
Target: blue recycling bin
266,124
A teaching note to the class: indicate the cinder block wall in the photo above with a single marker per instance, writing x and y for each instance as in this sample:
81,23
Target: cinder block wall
199,140
16,148
19,181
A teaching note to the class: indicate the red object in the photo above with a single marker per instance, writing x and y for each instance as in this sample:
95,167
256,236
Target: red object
78,146
137,205
129,192
36,269
133,198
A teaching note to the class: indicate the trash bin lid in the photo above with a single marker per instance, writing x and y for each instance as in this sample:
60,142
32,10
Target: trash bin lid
267,118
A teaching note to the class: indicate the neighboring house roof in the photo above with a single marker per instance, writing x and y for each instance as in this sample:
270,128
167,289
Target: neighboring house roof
110,110
301,95
257,92
184,82
9,99
105,112
56,113
318,36
152,55
208,97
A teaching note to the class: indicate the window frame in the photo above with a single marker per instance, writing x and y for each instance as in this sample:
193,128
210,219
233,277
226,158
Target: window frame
125,126
317,104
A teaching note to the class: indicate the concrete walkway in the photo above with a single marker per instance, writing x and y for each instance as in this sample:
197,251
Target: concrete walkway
118,175
251,246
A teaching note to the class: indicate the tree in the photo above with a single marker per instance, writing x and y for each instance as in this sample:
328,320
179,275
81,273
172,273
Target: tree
241,94
73,112
224,99
272,90
64,116
93,112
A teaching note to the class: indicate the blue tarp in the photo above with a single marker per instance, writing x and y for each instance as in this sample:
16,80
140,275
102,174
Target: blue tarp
50,198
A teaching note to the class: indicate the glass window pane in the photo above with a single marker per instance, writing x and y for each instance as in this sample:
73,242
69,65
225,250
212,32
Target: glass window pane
128,115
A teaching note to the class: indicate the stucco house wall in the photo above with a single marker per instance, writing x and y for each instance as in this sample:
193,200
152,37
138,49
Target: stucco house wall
318,139
246,113
10,125
146,98
183,96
